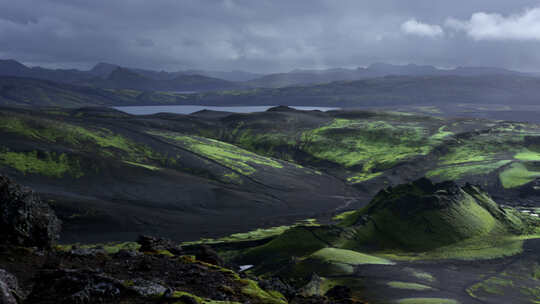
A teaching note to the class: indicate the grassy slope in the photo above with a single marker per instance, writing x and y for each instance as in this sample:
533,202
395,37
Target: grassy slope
107,157
364,146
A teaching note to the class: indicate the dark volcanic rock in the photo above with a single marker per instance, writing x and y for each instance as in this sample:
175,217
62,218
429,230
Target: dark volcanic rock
75,286
206,254
9,288
339,293
154,244
24,219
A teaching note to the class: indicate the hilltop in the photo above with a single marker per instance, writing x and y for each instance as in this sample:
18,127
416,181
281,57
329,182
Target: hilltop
400,247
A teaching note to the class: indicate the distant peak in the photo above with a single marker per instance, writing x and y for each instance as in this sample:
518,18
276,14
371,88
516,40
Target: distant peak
11,62
103,69
124,74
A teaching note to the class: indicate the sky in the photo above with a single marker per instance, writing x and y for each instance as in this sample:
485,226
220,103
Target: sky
268,36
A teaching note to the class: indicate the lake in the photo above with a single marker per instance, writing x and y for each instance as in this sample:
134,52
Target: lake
147,110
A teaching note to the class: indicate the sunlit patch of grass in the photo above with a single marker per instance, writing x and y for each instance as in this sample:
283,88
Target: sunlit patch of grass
517,175
103,140
47,164
454,172
343,215
356,142
482,147
408,286
527,155
335,255
230,156
334,262
258,234
362,177
153,168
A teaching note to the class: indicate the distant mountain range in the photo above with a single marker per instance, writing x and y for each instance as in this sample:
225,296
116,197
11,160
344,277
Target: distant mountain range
389,91
108,75
105,75
303,77
379,84
122,78
382,91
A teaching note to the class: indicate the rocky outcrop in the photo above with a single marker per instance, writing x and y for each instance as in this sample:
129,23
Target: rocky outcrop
10,292
155,244
24,219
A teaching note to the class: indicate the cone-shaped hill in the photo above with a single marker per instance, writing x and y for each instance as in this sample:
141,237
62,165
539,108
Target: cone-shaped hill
422,216
414,221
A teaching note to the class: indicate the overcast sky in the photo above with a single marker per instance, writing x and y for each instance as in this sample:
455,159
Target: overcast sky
271,35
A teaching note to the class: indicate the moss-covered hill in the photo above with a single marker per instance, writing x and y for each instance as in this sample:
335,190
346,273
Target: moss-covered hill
385,246
418,220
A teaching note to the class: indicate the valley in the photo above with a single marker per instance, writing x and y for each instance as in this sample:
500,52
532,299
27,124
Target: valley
329,202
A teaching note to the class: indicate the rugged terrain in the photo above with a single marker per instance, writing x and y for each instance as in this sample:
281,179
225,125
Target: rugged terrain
413,243
100,167
334,207
34,270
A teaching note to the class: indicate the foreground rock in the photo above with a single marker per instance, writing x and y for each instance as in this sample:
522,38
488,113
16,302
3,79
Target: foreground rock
9,288
24,219
159,272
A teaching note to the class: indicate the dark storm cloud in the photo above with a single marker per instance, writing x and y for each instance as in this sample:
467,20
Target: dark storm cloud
270,35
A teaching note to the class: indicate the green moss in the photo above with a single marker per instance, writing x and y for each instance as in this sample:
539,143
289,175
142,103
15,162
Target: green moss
421,275
493,286
482,147
230,156
432,228
427,301
335,262
527,155
253,290
283,250
517,175
441,134
165,252
371,143
152,168
335,255
454,172
47,164
102,141
408,286
496,245
343,215
362,177
257,234
472,227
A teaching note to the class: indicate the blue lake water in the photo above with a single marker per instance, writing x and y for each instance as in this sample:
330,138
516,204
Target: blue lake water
147,110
